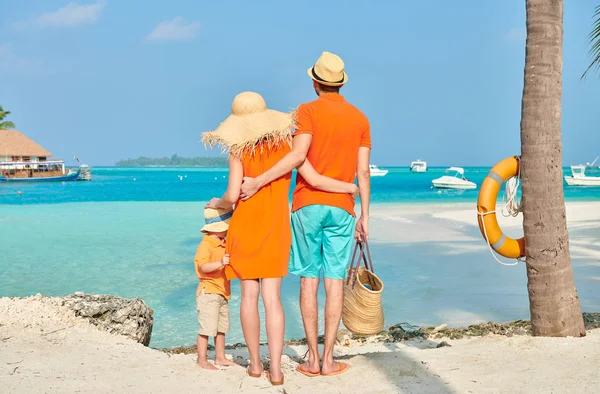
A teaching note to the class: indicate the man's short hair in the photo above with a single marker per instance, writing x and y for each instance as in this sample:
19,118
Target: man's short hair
329,89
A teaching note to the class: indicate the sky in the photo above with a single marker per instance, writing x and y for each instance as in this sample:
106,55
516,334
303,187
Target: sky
438,80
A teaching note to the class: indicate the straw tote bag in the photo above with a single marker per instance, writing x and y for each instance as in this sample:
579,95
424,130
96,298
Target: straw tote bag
363,308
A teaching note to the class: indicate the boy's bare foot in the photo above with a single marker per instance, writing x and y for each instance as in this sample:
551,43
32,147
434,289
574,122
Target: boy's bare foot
206,365
225,362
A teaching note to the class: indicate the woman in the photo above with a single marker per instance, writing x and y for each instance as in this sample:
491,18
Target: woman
259,236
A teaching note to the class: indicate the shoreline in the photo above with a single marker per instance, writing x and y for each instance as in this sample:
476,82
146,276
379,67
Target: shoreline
46,348
403,332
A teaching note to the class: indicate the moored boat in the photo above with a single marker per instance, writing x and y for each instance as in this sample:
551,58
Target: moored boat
49,171
579,178
23,160
85,171
418,166
376,171
458,181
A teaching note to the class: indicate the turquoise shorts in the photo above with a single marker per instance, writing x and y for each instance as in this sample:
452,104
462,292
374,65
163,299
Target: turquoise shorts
321,241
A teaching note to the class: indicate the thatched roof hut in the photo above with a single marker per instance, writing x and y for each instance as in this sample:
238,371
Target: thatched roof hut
13,144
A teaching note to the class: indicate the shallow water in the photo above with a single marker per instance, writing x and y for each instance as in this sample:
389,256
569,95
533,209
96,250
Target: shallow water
137,238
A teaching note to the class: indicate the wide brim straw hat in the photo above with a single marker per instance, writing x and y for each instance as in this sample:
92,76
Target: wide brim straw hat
216,220
329,70
250,124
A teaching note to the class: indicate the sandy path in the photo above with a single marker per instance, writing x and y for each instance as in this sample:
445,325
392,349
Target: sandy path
45,349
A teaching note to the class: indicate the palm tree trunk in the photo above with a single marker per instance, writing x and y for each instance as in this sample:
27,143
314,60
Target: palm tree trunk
553,300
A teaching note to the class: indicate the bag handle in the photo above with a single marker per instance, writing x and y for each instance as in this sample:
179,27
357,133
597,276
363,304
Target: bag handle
366,258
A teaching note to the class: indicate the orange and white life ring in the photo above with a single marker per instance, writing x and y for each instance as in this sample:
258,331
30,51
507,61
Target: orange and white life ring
486,209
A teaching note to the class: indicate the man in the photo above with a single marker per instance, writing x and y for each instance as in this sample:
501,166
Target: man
335,137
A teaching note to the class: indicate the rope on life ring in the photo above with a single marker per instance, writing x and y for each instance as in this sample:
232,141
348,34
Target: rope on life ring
486,209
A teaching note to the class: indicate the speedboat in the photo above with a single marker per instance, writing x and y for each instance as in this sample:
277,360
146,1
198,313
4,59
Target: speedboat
579,178
418,166
457,181
376,171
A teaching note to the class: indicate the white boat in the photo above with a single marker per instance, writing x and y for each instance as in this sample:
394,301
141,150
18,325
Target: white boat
580,179
457,181
376,171
418,166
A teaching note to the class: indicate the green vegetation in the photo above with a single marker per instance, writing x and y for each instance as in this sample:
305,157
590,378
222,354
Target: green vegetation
174,161
594,38
5,125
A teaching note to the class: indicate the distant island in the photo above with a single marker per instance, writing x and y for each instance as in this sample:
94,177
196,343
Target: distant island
174,161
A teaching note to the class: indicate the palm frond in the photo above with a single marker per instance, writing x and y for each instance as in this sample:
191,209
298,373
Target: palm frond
594,39
3,113
7,125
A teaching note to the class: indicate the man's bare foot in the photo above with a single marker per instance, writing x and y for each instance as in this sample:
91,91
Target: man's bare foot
206,365
225,362
334,368
309,369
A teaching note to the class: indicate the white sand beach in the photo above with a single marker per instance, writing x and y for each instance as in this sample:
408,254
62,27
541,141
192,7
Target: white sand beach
43,347
409,222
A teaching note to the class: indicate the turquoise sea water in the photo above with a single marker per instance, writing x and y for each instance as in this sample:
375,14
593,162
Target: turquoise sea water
200,184
133,233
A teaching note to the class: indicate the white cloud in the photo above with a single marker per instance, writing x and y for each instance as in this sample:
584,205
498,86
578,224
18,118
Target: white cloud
175,29
71,15
11,62
517,34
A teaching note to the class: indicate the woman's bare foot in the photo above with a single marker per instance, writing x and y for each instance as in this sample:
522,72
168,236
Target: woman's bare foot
255,371
225,362
206,365
275,378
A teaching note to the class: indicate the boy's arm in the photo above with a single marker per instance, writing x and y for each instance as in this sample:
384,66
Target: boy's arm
321,182
293,159
211,267
208,267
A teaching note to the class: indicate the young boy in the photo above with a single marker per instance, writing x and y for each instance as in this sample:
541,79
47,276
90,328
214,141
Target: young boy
213,291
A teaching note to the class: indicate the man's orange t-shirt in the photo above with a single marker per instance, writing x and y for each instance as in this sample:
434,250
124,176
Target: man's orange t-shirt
211,250
338,130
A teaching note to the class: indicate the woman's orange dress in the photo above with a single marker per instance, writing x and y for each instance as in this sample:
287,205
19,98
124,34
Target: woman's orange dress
259,236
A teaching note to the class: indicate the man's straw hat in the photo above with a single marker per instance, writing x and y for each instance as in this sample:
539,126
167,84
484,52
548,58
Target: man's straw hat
329,70
249,124
216,220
